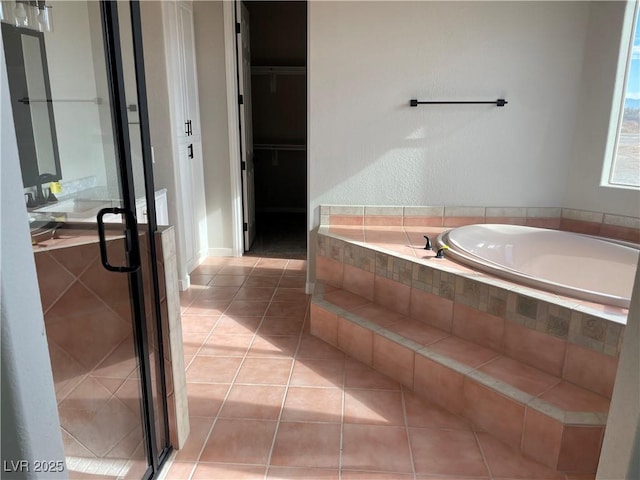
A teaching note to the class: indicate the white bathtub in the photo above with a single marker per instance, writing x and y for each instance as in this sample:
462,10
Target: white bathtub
578,266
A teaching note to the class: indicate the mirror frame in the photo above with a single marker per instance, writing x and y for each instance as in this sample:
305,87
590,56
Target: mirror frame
18,90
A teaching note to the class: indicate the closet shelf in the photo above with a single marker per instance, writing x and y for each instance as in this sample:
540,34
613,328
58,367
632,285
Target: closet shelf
280,146
278,70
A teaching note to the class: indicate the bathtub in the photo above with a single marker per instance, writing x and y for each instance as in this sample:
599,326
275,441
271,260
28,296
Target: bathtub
578,266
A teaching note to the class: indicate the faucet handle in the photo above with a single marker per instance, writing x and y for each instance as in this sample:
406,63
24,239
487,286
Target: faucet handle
29,199
51,197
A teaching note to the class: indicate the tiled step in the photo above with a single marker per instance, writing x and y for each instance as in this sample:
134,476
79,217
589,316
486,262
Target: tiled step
548,419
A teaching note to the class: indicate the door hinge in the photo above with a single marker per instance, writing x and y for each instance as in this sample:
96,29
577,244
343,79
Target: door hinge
241,99
243,165
237,27
245,227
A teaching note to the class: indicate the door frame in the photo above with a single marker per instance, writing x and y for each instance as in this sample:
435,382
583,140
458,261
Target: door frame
233,121
246,125
152,228
233,116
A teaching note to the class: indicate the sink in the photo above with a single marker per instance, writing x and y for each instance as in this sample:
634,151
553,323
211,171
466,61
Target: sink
41,222
74,205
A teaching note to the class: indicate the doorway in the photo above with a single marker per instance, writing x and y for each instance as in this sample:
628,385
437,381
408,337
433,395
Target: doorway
273,82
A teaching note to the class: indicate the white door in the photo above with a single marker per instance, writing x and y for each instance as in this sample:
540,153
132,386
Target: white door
188,168
194,208
246,126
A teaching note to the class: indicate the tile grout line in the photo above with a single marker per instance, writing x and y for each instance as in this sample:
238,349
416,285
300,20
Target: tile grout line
66,430
522,432
98,363
286,392
343,408
406,429
484,458
206,338
76,277
548,389
231,384
222,314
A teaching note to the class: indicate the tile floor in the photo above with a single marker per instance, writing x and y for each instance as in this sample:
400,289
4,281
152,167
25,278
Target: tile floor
269,401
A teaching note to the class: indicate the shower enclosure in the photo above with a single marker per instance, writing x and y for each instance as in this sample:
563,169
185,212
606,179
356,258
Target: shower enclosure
79,105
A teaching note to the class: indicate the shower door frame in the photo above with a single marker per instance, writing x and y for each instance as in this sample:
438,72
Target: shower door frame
115,73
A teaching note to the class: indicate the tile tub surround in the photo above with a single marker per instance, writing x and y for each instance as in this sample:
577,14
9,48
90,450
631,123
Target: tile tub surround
90,340
365,258
576,343
579,221
545,417
581,340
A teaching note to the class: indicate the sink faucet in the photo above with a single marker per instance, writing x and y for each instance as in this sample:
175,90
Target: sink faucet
40,199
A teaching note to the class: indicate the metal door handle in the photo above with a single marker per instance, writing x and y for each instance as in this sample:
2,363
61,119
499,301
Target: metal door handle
103,242
190,150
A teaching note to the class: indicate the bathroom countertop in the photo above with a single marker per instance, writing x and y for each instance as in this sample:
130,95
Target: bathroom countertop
101,193
68,235
84,205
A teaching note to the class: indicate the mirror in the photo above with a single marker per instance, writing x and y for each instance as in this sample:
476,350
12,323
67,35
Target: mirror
31,103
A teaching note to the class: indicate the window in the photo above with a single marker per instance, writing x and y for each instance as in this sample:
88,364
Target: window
625,169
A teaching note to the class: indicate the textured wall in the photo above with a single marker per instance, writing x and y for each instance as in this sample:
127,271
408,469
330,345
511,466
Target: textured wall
368,59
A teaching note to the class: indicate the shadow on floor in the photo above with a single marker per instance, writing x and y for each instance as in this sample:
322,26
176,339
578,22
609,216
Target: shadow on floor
280,235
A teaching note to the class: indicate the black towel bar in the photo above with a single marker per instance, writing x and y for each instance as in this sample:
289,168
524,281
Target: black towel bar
501,102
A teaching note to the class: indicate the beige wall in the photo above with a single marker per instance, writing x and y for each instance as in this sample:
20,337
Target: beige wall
555,62
367,59
209,36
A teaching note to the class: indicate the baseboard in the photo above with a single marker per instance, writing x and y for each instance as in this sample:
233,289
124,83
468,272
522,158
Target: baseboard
309,287
203,254
220,252
184,283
